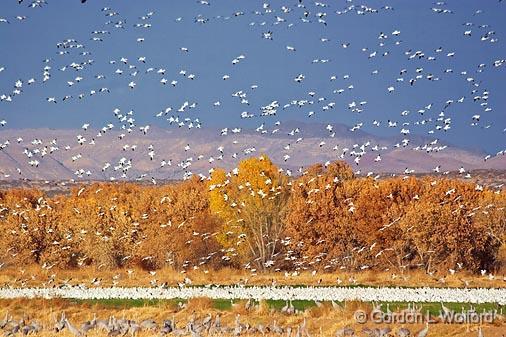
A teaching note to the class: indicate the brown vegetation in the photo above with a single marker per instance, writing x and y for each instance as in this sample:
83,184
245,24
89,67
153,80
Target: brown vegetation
258,218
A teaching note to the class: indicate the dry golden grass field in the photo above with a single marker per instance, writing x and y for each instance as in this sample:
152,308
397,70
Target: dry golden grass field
36,276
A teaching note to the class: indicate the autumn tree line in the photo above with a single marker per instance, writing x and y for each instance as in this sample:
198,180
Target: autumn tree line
257,217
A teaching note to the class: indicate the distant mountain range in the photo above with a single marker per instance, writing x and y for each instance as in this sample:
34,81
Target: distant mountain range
60,156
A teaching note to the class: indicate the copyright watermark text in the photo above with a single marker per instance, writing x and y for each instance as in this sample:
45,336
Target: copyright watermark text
417,317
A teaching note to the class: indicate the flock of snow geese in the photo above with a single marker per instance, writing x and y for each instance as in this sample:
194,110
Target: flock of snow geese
309,293
77,69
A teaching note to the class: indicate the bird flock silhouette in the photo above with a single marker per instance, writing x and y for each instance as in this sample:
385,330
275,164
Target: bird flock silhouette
207,325
195,326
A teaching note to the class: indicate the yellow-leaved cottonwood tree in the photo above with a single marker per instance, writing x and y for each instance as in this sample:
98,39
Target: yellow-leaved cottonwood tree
250,200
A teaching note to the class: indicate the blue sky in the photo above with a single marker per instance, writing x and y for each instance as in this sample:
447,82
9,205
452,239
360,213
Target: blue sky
214,44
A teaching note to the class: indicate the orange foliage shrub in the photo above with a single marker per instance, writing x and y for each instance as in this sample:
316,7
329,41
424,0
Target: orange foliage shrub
110,225
334,220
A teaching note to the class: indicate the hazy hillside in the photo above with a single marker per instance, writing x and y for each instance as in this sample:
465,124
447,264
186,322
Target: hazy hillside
60,155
